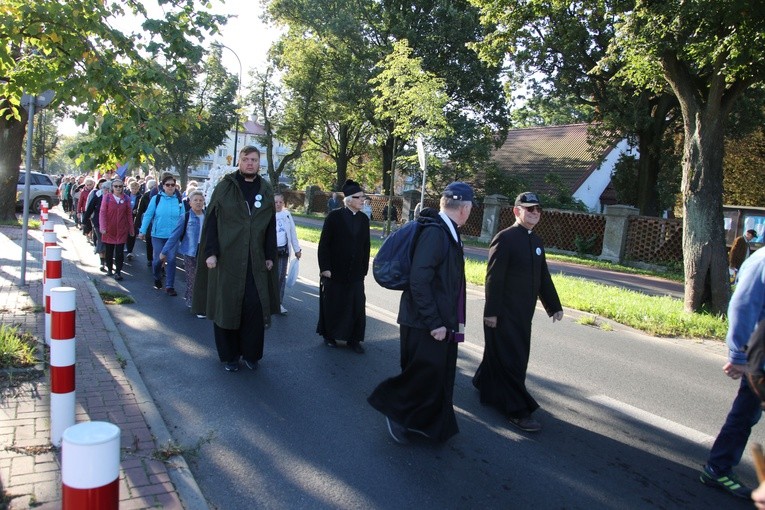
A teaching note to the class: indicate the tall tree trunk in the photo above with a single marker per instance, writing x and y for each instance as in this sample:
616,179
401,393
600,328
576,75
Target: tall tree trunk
11,144
650,144
341,161
387,160
705,261
648,173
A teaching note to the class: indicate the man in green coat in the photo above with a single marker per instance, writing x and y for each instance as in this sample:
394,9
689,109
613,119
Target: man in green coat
236,286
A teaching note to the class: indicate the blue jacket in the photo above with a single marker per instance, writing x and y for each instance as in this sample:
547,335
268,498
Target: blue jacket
163,217
190,242
747,306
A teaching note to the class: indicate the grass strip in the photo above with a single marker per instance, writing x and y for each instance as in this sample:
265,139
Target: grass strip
661,316
16,349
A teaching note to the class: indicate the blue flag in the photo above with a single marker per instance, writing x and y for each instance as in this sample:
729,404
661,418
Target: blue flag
122,170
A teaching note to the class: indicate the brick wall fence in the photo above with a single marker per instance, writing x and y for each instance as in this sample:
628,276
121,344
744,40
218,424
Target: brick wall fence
619,234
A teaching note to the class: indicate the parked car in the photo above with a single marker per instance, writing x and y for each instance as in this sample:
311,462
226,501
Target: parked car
739,219
41,188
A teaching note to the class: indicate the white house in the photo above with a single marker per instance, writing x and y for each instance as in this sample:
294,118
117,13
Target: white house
223,155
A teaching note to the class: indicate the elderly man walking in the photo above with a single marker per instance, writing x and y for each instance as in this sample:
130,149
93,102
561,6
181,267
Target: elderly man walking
516,276
432,319
343,263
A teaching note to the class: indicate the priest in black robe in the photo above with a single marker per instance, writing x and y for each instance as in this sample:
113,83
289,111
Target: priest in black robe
343,263
516,276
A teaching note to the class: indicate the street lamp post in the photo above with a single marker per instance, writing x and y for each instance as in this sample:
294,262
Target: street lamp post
239,92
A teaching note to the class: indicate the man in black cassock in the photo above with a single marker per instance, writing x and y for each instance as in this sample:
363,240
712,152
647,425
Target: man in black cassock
344,262
432,319
516,276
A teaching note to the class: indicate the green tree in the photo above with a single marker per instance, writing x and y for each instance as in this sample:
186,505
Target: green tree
438,32
204,107
556,51
709,52
113,81
409,100
46,141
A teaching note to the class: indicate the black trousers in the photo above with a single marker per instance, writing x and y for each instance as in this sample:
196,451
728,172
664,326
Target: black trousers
247,340
114,253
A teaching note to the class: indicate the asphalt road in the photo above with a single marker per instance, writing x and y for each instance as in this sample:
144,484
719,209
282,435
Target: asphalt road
628,419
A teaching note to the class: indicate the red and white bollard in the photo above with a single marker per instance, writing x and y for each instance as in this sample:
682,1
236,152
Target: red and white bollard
49,239
90,466
62,362
44,214
51,280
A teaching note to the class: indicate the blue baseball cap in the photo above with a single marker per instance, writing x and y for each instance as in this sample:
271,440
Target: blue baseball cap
459,191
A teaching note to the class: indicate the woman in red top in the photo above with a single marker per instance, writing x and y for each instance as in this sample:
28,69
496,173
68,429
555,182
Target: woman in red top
116,223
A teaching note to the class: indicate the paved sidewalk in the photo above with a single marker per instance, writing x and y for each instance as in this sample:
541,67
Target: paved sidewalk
109,388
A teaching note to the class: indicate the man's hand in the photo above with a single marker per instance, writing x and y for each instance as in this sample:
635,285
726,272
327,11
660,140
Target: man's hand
758,496
162,257
103,231
141,237
326,274
298,253
734,371
439,333
490,321
211,261
557,316
269,264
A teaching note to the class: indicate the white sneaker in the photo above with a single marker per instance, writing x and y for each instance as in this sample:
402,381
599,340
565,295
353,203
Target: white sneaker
283,310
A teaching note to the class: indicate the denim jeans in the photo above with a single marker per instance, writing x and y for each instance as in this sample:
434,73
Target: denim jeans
730,443
158,244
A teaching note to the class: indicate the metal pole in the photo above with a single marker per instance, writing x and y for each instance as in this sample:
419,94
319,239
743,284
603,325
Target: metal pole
423,165
27,187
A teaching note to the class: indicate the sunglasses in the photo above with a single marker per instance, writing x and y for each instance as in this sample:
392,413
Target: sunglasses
532,208
170,184
118,186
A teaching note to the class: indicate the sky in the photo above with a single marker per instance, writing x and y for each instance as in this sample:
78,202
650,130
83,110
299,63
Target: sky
245,34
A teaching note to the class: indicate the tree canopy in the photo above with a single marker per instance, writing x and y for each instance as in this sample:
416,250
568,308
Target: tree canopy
110,80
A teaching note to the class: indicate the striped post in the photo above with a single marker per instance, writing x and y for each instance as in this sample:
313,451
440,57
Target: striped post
51,280
62,362
90,466
44,214
49,239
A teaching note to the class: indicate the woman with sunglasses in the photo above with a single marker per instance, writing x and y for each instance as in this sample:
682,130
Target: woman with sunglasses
116,224
162,214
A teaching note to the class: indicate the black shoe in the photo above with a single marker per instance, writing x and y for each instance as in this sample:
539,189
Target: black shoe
103,269
527,424
252,365
109,273
728,483
118,277
356,347
232,367
157,284
171,291
149,263
330,342
397,432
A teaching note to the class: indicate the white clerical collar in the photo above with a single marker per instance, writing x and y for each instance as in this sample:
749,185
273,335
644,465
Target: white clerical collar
449,224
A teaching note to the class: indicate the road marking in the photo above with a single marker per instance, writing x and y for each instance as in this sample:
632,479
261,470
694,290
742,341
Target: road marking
653,420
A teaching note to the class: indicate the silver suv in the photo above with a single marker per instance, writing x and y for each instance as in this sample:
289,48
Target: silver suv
41,188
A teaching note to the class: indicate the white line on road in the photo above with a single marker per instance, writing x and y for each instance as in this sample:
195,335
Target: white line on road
653,420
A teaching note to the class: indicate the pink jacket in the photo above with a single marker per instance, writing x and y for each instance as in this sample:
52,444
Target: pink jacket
116,219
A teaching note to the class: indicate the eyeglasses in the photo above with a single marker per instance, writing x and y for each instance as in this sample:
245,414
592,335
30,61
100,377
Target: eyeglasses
359,196
170,184
532,208
117,186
